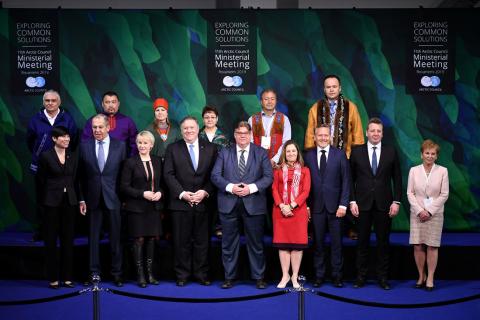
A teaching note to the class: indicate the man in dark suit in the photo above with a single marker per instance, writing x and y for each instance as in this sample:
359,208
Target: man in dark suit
188,164
328,201
100,162
375,168
242,173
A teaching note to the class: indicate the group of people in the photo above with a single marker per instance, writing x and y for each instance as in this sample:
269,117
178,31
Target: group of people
205,181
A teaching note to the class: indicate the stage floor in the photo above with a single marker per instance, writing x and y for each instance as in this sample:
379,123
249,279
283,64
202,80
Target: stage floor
459,300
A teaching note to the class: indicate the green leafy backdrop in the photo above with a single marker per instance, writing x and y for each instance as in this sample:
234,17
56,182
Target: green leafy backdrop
147,54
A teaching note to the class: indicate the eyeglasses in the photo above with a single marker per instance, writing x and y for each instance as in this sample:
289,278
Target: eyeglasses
242,132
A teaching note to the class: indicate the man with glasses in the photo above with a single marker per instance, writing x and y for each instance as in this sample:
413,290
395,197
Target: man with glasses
242,173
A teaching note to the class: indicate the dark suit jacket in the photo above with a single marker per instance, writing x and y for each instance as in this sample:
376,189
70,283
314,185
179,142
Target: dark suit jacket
334,189
258,171
367,188
95,183
133,183
180,175
53,178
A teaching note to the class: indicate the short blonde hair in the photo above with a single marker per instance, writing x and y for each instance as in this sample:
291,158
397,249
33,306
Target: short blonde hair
146,134
429,144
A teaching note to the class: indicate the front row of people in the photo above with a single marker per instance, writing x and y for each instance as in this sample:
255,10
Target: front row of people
319,187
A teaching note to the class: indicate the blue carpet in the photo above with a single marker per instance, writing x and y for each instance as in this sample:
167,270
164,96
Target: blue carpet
114,306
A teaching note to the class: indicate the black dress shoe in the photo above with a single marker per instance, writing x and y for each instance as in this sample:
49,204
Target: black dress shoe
205,282
118,281
261,284
54,285
318,282
227,284
359,283
384,284
338,283
68,284
181,282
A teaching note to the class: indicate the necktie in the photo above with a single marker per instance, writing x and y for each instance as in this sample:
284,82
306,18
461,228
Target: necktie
192,156
333,109
374,161
101,156
323,163
241,163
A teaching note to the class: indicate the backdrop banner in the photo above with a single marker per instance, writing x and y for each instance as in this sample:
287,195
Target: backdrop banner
232,52
431,56
34,51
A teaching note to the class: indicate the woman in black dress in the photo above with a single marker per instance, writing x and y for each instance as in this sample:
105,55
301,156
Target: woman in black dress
140,184
56,175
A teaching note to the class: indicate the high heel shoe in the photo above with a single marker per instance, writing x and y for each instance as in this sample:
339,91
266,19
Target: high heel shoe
420,285
295,283
282,284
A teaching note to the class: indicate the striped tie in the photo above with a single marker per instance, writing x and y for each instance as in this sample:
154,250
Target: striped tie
101,156
241,163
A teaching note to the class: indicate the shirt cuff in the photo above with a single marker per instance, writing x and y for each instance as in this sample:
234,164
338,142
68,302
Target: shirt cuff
229,187
342,207
181,195
252,187
397,202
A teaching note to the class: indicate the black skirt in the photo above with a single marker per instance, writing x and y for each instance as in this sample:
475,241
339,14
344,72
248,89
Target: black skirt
145,224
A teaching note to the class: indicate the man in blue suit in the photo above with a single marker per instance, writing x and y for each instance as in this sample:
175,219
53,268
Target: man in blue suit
242,173
100,160
329,196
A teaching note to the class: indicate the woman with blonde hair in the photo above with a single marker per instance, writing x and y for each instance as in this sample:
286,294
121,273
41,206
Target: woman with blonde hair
427,193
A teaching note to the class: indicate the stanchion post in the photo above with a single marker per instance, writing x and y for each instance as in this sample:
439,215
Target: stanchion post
96,298
301,296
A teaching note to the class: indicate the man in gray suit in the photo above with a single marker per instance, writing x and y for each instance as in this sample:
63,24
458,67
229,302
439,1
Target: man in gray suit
242,173
100,162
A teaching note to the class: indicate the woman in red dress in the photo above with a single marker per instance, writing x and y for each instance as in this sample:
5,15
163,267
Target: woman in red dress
291,186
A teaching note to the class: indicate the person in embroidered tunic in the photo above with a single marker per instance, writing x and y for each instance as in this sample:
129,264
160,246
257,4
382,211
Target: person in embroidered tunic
427,193
346,127
122,127
162,129
270,128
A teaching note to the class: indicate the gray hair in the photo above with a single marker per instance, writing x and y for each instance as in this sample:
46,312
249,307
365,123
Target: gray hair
101,116
51,91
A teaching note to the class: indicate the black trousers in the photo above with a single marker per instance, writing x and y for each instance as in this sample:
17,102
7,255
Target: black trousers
59,223
381,222
190,243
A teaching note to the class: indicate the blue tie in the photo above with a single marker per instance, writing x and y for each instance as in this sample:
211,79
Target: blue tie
192,156
374,161
101,156
333,108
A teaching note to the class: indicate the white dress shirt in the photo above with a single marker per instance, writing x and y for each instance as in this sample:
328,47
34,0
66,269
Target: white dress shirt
252,186
51,120
267,122
319,153
106,146
196,152
378,151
